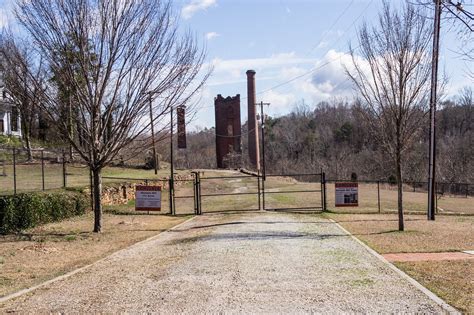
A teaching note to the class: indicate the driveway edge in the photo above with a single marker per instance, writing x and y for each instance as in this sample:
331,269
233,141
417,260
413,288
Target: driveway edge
73,272
445,306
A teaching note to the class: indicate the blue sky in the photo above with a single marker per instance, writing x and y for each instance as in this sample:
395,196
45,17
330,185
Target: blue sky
282,40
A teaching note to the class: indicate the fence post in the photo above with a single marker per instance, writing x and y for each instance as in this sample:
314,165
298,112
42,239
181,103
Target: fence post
42,169
322,188
14,171
325,204
199,193
378,195
64,169
170,195
258,187
194,191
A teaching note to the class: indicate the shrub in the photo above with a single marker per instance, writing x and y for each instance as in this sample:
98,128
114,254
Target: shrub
392,180
28,210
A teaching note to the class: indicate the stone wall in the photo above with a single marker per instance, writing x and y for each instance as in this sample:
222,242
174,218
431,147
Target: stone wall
122,193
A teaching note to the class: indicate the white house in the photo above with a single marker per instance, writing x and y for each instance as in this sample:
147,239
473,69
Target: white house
9,116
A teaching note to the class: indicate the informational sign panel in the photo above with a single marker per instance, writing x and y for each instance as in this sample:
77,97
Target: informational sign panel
147,198
347,194
181,113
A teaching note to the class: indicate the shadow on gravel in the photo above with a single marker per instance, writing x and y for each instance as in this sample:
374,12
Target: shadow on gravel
376,220
256,236
250,222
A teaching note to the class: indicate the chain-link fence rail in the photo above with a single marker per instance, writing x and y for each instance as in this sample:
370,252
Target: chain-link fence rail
382,196
38,170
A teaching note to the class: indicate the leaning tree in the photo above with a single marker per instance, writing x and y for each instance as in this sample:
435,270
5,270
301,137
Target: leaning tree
123,54
390,70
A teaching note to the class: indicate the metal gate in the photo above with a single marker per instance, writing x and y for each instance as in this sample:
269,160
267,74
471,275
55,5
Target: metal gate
240,192
259,192
294,192
220,194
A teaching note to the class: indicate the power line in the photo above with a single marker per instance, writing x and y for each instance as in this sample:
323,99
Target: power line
324,64
317,67
459,8
331,27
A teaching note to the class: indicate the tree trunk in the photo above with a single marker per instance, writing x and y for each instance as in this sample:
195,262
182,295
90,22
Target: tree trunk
28,147
401,225
97,182
26,138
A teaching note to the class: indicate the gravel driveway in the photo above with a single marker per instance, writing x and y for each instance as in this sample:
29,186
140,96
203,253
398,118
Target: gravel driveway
235,263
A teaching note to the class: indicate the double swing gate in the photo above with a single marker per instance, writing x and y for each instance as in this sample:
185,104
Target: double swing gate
242,192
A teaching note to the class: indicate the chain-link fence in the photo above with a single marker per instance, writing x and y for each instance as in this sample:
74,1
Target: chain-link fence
382,196
23,171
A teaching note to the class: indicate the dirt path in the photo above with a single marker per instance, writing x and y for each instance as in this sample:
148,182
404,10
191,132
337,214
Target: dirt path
236,263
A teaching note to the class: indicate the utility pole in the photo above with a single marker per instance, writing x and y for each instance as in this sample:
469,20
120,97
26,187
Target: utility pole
172,208
433,101
264,173
263,139
153,138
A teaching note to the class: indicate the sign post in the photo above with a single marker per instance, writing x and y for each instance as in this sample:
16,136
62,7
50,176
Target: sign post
147,198
347,194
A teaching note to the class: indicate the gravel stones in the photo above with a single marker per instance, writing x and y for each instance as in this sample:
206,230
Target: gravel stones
261,262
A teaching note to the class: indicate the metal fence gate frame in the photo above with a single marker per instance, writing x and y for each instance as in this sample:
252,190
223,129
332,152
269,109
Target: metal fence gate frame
321,191
261,192
199,194
197,191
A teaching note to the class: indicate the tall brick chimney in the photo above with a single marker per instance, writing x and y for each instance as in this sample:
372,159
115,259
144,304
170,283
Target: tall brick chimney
252,124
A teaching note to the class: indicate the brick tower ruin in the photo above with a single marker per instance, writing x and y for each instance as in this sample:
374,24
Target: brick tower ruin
228,131
252,125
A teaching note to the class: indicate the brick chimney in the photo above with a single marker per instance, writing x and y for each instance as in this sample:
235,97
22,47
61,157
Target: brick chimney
253,145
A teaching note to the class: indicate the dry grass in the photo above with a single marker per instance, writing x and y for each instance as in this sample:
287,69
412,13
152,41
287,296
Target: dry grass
54,249
452,280
380,231
412,201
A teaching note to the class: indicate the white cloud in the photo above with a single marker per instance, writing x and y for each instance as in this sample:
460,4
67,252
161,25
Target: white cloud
212,35
327,81
196,5
279,102
277,60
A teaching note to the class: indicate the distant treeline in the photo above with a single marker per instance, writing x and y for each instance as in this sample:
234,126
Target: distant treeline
333,135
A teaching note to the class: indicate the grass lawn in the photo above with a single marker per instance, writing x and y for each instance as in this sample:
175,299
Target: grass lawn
48,251
451,280
412,201
29,176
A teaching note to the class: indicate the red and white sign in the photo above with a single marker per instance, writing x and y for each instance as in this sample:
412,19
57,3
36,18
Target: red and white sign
347,194
147,198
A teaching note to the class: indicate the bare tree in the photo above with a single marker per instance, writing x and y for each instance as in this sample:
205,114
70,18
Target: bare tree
391,72
458,18
17,74
125,51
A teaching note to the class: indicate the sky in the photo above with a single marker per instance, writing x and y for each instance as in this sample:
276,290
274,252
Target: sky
298,49
283,40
